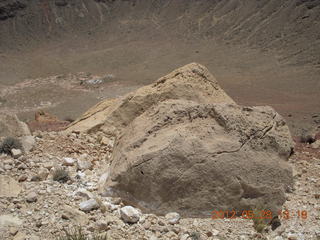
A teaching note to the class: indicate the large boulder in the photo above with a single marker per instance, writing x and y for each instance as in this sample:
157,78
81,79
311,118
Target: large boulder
191,82
194,158
11,126
183,145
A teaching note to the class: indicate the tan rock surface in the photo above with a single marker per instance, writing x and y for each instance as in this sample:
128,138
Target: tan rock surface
195,158
191,82
9,187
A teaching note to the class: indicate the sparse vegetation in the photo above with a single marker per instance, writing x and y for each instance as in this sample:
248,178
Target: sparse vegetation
307,139
60,175
195,236
77,234
259,223
8,144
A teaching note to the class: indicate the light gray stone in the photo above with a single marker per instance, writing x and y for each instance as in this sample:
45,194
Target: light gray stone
173,217
32,197
16,153
130,214
89,205
68,161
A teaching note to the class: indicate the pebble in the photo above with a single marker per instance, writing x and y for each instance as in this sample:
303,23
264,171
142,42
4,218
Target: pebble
130,214
173,217
16,153
22,178
32,197
68,161
22,166
89,205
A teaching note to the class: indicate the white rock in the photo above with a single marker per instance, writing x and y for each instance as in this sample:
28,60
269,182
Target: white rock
68,161
130,214
32,197
84,162
292,236
215,232
111,207
16,153
89,205
278,238
173,217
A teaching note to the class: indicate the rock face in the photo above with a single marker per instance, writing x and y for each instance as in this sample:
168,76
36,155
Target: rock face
191,82
195,158
11,126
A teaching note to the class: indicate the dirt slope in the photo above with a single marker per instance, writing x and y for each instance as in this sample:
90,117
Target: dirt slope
261,52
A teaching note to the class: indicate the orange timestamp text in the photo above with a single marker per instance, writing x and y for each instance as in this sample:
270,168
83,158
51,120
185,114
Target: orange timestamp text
261,214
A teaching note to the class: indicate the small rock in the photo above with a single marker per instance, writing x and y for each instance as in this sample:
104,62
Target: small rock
89,205
35,179
22,178
147,225
32,197
22,166
102,226
292,236
130,214
20,236
43,174
13,231
68,161
173,217
48,165
84,163
106,141
7,167
74,215
278,238
16,153
215,232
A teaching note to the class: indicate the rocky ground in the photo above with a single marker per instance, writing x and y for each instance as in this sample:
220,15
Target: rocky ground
33,206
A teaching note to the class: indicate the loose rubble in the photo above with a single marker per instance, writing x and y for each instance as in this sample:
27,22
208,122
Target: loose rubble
57,204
